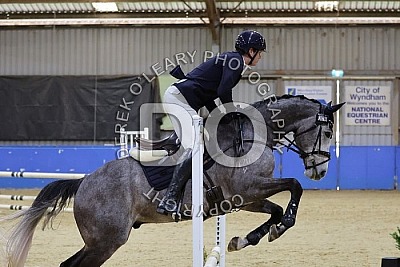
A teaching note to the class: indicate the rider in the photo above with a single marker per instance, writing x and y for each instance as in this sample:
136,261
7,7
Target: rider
214,78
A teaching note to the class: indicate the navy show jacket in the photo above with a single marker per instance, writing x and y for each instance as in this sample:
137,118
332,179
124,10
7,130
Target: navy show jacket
212,79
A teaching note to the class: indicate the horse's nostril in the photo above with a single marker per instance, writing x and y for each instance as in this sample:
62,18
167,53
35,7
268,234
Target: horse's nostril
323,173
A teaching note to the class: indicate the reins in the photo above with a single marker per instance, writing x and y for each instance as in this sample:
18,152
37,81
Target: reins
321,119
303,155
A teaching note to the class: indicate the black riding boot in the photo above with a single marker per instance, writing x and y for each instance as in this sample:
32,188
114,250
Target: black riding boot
182,173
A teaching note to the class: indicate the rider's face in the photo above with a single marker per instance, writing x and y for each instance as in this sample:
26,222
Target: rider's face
257,57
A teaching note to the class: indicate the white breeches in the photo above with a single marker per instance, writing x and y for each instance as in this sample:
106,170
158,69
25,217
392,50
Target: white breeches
180,113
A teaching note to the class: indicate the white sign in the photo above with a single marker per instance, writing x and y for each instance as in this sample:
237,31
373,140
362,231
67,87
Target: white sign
367,105
321,93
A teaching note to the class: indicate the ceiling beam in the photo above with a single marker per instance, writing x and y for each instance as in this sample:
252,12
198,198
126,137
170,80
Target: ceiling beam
83,1
197,21
215,20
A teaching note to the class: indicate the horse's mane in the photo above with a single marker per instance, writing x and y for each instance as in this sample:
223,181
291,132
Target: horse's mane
286,96
298,96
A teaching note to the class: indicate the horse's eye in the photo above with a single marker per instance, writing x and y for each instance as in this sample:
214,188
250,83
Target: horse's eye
328,135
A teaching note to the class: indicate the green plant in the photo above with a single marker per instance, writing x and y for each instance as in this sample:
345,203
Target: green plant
205,254
396,236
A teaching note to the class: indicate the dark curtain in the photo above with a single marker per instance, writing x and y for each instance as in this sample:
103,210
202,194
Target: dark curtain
73,108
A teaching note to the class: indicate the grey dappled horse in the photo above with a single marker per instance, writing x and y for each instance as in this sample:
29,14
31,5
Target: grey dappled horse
115,198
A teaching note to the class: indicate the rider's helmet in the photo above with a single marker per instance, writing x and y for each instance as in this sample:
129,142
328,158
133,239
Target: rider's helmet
250,39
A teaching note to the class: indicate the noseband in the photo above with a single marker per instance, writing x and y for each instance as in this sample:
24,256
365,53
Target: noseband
321,119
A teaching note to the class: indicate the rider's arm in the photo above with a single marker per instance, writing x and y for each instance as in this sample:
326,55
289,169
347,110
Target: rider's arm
231,74
211,106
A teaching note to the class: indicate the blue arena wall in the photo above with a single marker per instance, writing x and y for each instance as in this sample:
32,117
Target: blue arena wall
60,159
358,167
397,160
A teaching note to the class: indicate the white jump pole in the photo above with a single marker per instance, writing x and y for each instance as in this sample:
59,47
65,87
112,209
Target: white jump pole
213,258
45,175
197,193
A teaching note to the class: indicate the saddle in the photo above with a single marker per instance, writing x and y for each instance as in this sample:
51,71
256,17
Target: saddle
159,176
152,150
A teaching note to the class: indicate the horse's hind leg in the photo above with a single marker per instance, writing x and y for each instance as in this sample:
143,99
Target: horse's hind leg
102,233
90,257
264,206
73,260
102,237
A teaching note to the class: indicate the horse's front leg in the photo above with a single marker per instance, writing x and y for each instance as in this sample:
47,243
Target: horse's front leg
264,206
289,217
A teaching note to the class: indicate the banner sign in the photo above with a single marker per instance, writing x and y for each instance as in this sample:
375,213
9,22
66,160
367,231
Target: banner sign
367,105
321,93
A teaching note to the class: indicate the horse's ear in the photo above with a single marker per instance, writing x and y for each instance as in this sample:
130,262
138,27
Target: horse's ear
329,105
336,107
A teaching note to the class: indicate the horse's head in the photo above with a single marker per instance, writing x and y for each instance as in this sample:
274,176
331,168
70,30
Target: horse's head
313,139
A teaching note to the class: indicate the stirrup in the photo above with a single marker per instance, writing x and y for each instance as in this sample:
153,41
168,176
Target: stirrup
162,211
176,216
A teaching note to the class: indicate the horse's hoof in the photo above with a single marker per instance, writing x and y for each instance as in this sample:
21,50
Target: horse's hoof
273,233
236,244
232,246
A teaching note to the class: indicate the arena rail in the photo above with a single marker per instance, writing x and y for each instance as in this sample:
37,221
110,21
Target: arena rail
43,175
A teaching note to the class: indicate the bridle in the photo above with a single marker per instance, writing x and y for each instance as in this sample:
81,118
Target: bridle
321,119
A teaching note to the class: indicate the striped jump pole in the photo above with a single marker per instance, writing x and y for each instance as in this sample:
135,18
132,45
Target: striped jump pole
19,207
17,197
45,175
217,256
42,175
220,238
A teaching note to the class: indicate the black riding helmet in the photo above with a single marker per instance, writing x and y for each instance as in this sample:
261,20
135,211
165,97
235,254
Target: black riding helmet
250,39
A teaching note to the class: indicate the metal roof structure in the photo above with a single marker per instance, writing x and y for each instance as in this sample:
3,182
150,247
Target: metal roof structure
199,8
210,12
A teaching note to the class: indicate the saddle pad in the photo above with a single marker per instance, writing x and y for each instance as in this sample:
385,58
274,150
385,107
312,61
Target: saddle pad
158,177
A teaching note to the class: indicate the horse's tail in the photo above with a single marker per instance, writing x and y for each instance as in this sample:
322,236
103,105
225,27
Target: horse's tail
49,203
